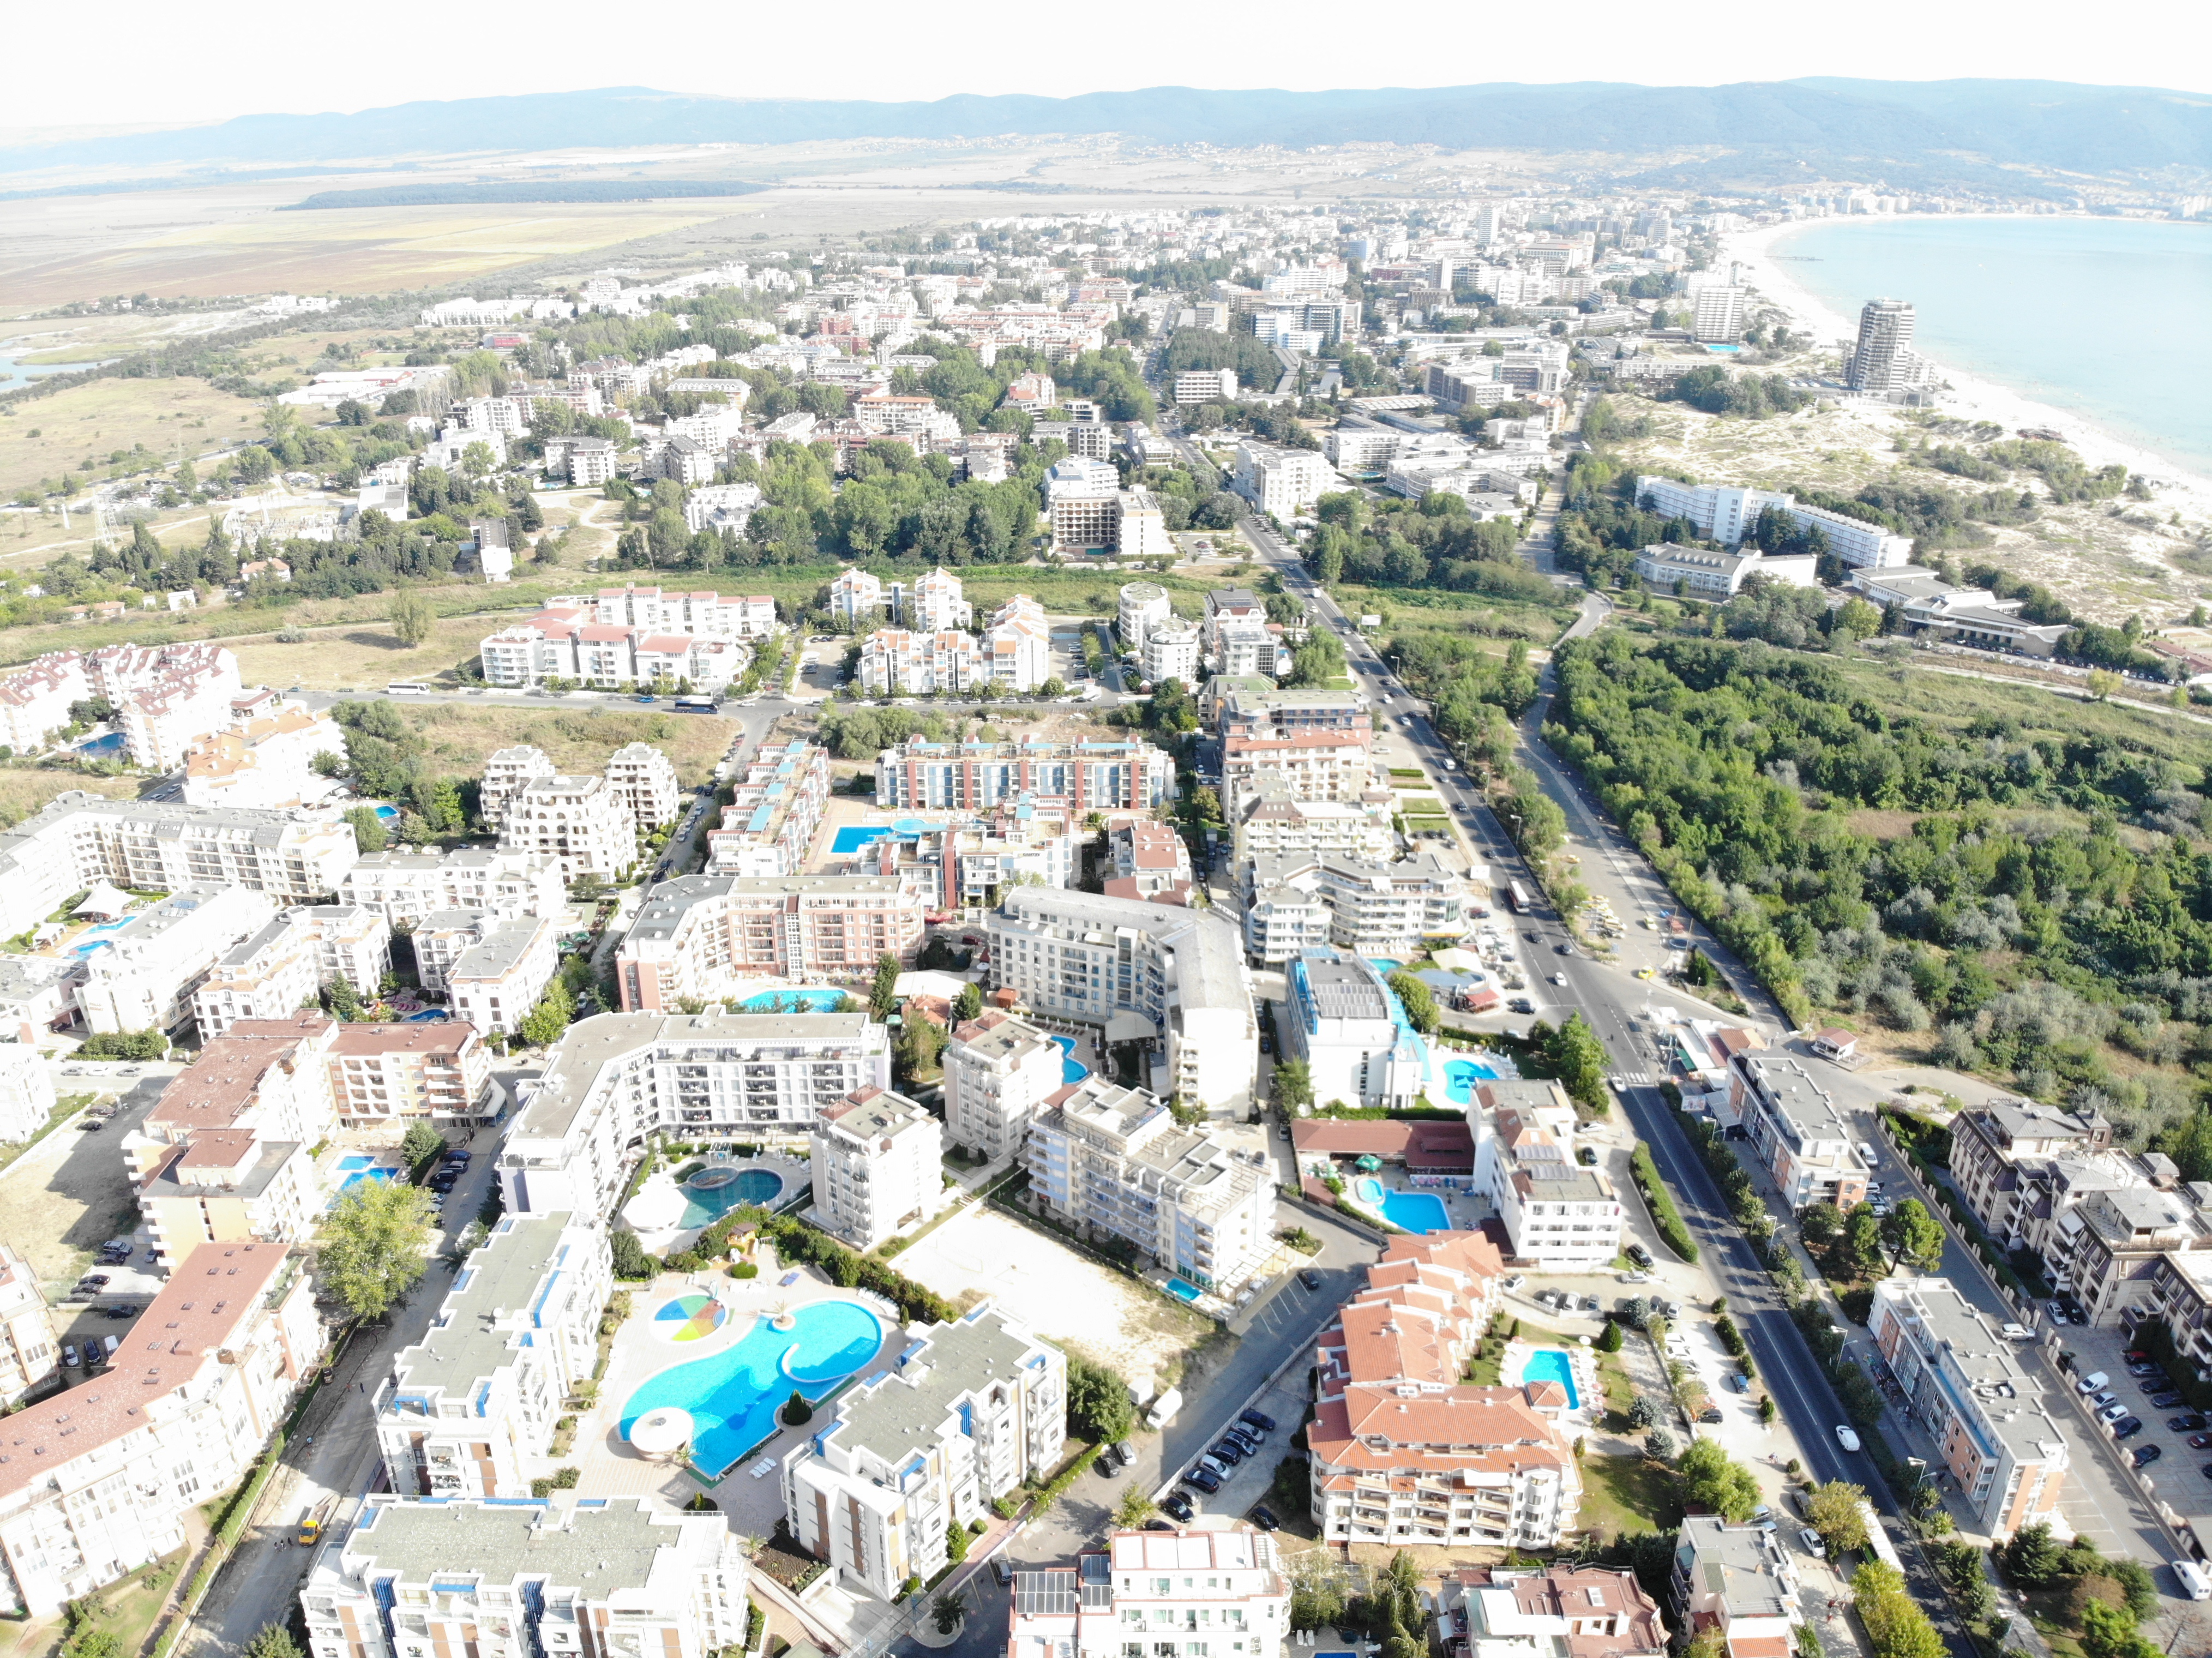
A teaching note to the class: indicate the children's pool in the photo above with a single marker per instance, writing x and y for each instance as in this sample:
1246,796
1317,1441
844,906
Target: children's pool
1410,1212
1070,1069
816,1000
1553,1364
732,1396
713,1193
1460,1076
1181,1290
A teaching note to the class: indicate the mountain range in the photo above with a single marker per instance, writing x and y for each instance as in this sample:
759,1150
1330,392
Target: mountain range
1770,131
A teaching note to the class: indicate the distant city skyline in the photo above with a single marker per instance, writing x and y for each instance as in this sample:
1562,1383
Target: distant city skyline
148,65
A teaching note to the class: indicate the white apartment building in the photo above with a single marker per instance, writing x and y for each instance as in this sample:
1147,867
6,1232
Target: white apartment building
492,968
80,840
1739,1579
266,976
614,1079
465,1406
1701,573
1227,1585
1285,916
1096,516
644,779
144,973
1206,386
1718,311
1141,607
29,1351
702,613
1347,1024
506,770
1017,645
395,1075
1728,513
1274,823
895,661
558,644
970,1410
856,598
519,1579
582,821
934,604
1314,764
1796,1130
34,702
1561,1215
100,1479
1368,909
1146,860
774,810
704,936
166,697
27,1092
407,887
1173,651
877,1163
1883,359
266,758
1114,1158
1089,776
1170,977
999,1073
1285,484
1246,649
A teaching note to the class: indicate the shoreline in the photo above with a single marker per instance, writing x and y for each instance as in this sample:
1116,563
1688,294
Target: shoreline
2180,488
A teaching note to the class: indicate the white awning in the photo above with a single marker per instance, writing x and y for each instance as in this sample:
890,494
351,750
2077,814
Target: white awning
1131,1028
104,902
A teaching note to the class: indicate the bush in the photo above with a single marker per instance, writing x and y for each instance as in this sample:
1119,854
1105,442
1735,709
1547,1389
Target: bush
745,1269
1664,1215
141,1045
797,1413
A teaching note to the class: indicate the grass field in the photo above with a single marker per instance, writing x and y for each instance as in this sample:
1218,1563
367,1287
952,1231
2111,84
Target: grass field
1408,608
1626,1493
49,436
364,656
24,789
457,738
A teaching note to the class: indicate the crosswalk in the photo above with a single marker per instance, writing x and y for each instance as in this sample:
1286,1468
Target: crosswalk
1636,1078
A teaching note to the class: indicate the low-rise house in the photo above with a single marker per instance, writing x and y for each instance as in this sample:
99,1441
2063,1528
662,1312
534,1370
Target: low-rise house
1552,1611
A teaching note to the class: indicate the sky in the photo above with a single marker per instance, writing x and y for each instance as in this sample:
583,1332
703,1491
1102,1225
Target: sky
149,62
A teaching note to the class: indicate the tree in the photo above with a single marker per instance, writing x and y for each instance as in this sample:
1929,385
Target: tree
542,1025
2102,682
342,1001
1857,620
1609,1338
1711,1478
797,1413
1293,1086
1135,1508
631,1262
1833,1511
368,831
372,1245
421,1146
1420,1005
1578,1059
1863,1253
2030,1557
1821,1227
1895,1626
412,617
1912,1236
947,1610
1659,1445
273,1640
968,1005
1098,1406
883,993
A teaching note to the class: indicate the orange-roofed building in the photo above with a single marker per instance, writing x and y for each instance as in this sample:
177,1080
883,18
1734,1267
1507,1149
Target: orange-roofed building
1485,1612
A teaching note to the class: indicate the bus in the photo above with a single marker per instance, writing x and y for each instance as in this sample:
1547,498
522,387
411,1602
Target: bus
407,688
1517,896
696,705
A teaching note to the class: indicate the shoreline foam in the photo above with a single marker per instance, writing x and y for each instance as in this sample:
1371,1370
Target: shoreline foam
1971,396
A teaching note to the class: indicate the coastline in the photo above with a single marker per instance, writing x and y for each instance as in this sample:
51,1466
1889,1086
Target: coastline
2180,488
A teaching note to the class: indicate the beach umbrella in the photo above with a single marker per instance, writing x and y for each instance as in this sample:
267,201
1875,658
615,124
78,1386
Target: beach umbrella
1369,1164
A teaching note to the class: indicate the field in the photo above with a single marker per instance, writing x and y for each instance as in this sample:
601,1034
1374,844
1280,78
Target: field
48,436
360,658
1407,608
457,738
24,790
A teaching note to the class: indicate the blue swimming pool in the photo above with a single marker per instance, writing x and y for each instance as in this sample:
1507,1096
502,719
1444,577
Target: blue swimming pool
793,1001
1070,1069
734,1395
1460,1076
1552,1364
111,744
1410,1212
360,1174
1181,1290
713,1193
428,1015
852,838
347,1165
388,814
95,938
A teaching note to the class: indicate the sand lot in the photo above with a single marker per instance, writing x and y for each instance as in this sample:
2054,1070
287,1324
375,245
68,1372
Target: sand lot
1058,1293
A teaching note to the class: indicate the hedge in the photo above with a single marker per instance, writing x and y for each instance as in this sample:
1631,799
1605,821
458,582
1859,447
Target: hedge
1664,1215
241,1510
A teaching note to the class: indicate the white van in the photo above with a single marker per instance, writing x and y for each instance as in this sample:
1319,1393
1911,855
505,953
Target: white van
2194,1583
2090,1384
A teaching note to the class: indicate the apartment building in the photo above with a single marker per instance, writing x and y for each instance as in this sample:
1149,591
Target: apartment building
1736,1580
969,1411
897,661
1206,386
1728,513
396,1075
407,888
2007,1155
465,1406
1347,1024
1000,1072
1016,645
1284,483
1702,573
1274,823
27,1092
2180,1293
1173,651
1284,914
492,968
1140,607
1147,859
1796,1130
561,643
1559,1210
618,1078
29,1351
145,974
1553,1611
857,598
1970,1389
100,1479
1390,910
177,696
774,810
702,613
80,840
582,821
1404,1452
877,1163
1114,1158
266,976
35,701
1311,765
506,770
511,1579
1226,1585
1170,977
265,758
2106,1250
643,778
703,936
1088,776
934,604
1253,706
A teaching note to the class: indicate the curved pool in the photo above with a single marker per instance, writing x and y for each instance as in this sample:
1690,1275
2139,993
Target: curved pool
1460,1076
713,1193
732,1396
1071,1070
1409,1211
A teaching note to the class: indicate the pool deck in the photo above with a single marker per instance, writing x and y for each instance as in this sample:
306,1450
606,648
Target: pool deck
1466,1211
794,1174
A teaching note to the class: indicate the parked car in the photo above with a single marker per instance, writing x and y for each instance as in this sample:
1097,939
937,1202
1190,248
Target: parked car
2145,1371
69,1355
2198,1442
1639,1254
2090,1383
1711,1413
1177,1506
1125,1451
1003,1572
2167,1401
1105,1466
1153,1524
2146,1454
1259,1420
1309,1279
2112,1412
1811,1539
1228,1450
1204,1480
92,1280
2127,1428
2187,1422
1264,1518
121,1312
2098,1401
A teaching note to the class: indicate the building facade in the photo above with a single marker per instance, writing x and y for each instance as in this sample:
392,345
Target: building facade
877,1163
585,822
1089,776
1001,1072
703,936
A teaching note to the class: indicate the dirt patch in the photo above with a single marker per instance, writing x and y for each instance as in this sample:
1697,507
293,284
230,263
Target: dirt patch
1883,825
457,737
69,1194
24,791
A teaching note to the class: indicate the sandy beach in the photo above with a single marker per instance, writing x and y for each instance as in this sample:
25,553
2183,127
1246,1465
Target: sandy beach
1970,397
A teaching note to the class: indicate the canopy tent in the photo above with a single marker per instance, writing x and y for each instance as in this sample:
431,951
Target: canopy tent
1131,1028
656,1208
660,1433
1457,960
1369,1164
104,903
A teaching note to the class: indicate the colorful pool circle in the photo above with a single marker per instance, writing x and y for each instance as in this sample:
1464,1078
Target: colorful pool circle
687,1318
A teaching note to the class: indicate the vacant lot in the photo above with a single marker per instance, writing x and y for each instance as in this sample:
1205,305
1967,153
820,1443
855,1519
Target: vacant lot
173,419
456,738
23,789
1058,1293
361,657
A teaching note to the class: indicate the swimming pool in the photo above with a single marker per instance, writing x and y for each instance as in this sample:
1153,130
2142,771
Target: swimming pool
1553,1364
816,1000
1182,1291
1070,1069
95,938
713,1193
355,1178
428,1015
1410,1212
111,744
388,814
853,837
732,1396
1460,1076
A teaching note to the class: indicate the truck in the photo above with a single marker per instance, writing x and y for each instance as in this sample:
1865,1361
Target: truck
313,1521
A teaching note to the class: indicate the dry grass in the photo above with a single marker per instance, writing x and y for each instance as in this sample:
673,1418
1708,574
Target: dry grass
24,790
457,737
364,656
49,436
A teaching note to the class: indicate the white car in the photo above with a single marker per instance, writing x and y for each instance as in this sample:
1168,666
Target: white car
1847,1436
1559,978
2015,1332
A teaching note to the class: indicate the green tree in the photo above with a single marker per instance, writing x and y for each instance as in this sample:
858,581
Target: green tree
2030,1557
421,1146
1711,1479
542,1025
372,1245
1862,1253
273,1641
797,1413
1609,1338
1912,1236
1578,1059
947,1610
1135,1508
1833,1510
368,831
883,991
631,1262
1293,1085
412,617
1420,1002
969,1004
1098,1406
1857,620
2102,682
1821,1226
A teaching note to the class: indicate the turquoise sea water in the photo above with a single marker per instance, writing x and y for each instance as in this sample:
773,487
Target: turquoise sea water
2102,318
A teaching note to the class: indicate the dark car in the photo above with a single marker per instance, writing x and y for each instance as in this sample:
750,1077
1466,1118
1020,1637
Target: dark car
1156,1524
121,1311
459,1159
1264,1518
2144,1369
1711,1415
1639,1254
2146,1455
2187,1422
1107,1465
1003,1572
1230,1451
2166,1402
2127,1427
1175,1505
1203,1479
1259,1420
1310,1277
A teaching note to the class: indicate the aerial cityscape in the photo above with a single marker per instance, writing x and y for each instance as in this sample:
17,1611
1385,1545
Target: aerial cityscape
1413,874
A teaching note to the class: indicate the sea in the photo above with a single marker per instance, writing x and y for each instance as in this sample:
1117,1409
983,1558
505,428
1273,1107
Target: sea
2105,319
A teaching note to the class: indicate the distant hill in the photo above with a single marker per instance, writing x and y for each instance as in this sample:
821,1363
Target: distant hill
517,190
1928,129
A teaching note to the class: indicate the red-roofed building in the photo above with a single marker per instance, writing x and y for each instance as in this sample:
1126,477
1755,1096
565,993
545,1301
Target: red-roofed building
1558,1613
1425,1148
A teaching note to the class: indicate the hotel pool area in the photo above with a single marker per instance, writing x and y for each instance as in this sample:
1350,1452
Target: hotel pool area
1460,1076
1552,1364
732,1396
816,1000
713,1193
1410,1212
854,837
95,938
1070,1069
1181,1290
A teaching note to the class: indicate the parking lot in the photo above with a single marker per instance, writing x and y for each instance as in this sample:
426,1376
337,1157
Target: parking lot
2174,1470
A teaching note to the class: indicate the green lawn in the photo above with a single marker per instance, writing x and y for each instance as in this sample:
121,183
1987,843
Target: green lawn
1627,1494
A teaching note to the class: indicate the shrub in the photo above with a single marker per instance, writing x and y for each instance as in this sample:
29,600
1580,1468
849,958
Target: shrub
797,1413
1664,1215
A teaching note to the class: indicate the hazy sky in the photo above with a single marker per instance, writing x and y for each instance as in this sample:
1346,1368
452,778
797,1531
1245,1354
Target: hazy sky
134,61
